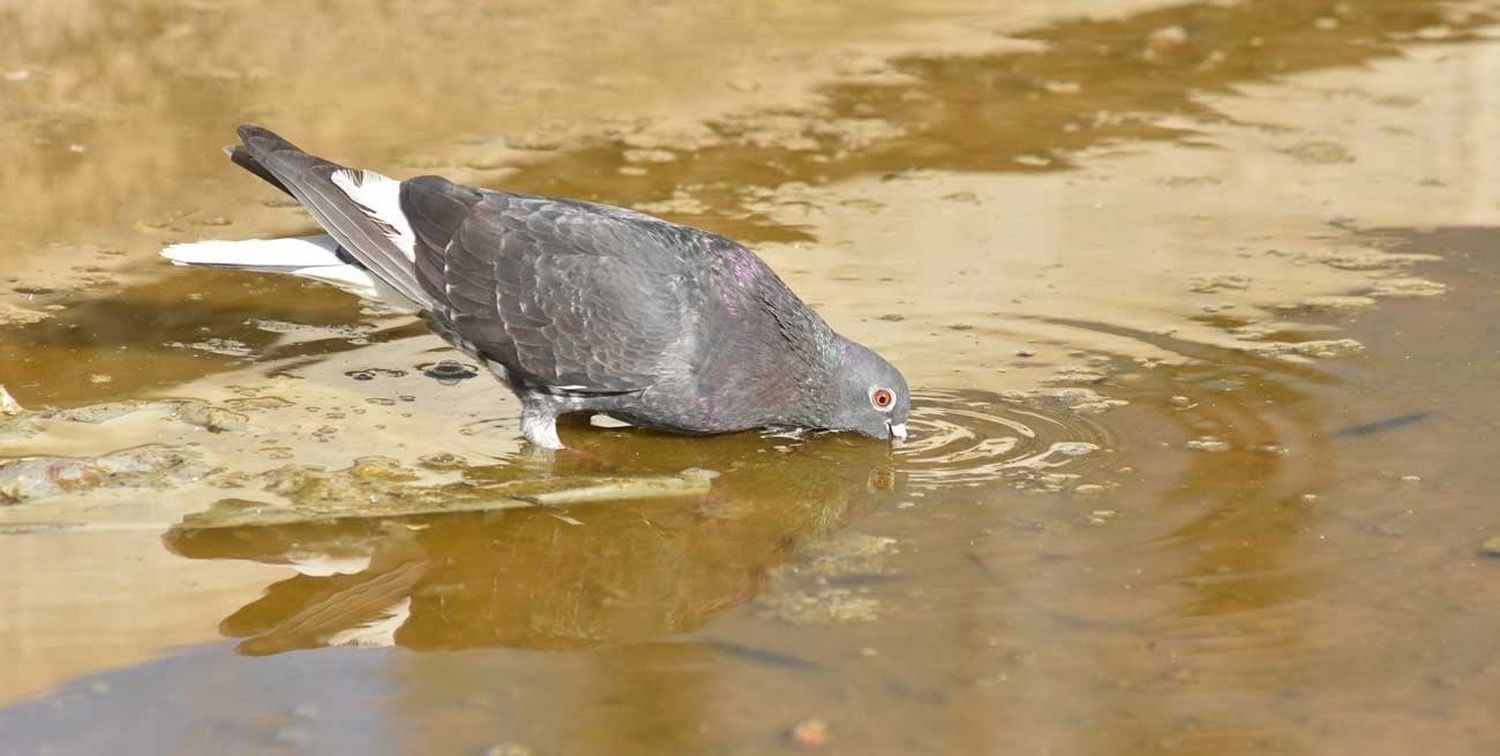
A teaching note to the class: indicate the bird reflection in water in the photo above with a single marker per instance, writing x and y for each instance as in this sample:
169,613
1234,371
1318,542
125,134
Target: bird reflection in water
547,577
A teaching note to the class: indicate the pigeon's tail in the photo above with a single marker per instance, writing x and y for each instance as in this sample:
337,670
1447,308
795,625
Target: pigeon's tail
361,210
315,257
274,255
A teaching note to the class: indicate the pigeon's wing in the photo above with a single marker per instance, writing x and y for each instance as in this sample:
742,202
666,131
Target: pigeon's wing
569,297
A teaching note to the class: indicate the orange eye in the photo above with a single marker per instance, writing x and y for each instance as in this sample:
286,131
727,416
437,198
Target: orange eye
882,399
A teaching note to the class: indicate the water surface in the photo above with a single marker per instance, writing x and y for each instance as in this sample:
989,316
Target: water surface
1198,301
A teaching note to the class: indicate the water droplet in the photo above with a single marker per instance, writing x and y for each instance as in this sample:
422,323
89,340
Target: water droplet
448,372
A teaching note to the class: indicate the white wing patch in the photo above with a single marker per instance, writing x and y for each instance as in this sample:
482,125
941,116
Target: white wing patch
380,197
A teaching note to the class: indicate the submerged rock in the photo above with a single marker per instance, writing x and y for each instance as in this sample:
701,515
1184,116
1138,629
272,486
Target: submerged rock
848,553
195,412
1491,548
1072,398
1407,288
809,734
39,477
30,478
103,412
8,404
507,749
15,421
1313,349
383,469
1209,444
820,608
211,418
1320,152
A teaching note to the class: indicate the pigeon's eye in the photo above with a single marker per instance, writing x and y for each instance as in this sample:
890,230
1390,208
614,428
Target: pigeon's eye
882,399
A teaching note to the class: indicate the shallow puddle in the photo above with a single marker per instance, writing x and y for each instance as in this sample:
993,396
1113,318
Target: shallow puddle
1198,302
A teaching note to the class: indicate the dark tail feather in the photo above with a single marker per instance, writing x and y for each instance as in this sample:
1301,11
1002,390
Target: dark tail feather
241,158
309,179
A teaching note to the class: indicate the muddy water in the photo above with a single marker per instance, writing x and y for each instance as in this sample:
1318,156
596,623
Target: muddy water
1199,302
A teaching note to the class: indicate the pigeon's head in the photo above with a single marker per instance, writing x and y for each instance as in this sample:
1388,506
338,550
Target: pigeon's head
872,397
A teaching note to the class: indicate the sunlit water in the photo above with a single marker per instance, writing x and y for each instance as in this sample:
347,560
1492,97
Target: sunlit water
966,438
1192,465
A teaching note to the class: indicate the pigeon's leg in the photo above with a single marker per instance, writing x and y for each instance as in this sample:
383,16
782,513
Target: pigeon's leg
539,423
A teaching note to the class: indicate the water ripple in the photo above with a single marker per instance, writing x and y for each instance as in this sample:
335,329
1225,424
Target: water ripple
969,438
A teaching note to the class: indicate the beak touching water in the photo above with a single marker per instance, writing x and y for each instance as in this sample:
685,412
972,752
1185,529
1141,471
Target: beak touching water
898,431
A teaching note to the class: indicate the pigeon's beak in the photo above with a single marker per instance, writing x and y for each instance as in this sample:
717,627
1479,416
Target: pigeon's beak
898,431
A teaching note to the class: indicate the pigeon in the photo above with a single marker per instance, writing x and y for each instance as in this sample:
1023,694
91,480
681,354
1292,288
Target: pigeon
577,307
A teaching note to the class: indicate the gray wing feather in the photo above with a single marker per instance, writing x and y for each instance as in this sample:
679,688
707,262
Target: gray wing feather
562,293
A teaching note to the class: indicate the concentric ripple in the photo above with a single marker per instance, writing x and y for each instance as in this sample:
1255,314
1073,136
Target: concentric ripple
969,438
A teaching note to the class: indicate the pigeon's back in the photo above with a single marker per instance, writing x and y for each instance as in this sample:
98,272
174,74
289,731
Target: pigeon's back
567,296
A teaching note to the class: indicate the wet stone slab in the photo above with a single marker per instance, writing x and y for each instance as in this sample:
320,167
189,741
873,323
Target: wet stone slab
381,487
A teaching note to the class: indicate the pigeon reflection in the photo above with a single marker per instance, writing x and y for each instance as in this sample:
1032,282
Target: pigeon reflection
553,578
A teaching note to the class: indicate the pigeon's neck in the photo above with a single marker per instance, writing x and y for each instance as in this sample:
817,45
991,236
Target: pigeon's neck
784,364
785,361
815,397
